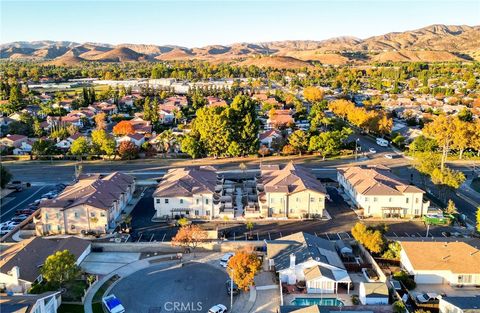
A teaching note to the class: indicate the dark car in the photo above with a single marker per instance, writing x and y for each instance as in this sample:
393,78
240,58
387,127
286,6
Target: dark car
228,286
27,211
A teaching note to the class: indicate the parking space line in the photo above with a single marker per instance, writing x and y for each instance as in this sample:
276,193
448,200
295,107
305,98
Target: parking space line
258,238
395,234
419,235
164,237
407,235
339,236
233,236
151,238
348,235
280,234
139,237
327,236
269,237
315,234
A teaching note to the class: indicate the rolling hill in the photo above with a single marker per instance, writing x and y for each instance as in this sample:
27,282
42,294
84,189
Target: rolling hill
435,43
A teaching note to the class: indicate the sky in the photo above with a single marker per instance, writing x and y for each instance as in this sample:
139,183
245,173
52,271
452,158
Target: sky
199,23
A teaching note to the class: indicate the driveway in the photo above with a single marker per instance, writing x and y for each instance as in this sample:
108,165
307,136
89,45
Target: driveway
195,287
103,263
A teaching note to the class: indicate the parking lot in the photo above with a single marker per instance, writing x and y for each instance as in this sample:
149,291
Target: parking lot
338,227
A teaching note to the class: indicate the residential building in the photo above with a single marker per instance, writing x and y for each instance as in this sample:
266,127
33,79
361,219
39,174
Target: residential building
462,304
280,118
13,141
91,205
216,102
47,302
141,126
290,191
456,263
136,139
25,148
380,193
267,137
177,101
305,257
186,191
21,263
65,144
166,113
373,293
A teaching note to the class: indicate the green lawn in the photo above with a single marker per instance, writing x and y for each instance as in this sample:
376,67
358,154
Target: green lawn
97,298
74,291
476,184
71,308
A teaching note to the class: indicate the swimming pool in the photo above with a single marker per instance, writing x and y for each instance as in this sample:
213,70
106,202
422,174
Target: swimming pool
317,301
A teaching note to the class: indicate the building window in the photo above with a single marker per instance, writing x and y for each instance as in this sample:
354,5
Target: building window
366,199
312,199
464,279
198,201
76,215
181,201
375,199
416,200
58,215
206,201
272,200
296,199
166,201
46,216
406,199
102,214
207,212
92,214
390,199
59,228
196,213
158,200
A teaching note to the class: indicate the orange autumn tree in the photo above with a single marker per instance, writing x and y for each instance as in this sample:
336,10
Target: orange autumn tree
313,94
123,128
242,268
188,237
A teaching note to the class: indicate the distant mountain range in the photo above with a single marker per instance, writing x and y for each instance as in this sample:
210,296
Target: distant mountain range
429,44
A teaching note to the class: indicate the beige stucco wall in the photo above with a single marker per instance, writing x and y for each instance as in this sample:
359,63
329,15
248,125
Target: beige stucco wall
295,205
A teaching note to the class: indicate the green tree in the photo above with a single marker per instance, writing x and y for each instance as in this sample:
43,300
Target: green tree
60,267
299,141
478,219
191,145
80,146
43,147
5,176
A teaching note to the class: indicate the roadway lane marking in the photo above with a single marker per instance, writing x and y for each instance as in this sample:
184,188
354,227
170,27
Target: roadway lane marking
25,200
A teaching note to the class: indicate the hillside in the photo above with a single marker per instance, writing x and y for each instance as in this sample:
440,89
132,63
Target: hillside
435,43
283,62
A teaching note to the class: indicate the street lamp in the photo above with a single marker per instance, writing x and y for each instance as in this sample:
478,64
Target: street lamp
356,148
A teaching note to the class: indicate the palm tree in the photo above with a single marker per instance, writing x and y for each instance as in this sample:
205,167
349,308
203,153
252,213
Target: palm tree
168,139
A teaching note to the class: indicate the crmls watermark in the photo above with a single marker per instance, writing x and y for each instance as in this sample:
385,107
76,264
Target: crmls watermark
178,306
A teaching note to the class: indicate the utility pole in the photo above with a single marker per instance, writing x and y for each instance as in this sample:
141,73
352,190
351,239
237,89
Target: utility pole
356,148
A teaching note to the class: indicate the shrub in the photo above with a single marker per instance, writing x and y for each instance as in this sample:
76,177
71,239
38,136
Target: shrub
405,279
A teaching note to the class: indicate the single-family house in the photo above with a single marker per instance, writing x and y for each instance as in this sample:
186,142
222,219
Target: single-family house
65,144
47,302
136,139
216,102
290,191
460,304
280,118
166,113
305,257
177,101
141,126
25,148
374,293
21,263
186,191
93,204
267,137
13,141
456,263
380,193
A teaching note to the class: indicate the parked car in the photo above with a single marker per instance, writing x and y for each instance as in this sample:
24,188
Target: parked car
389,156
219,308
27,211
427,297
225,258
112,304
19,218
7,227
228,286
372,150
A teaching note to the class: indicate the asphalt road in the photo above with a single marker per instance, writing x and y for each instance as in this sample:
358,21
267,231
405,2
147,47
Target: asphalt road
195,287
20,200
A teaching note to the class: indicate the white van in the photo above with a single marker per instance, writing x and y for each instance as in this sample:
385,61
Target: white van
382,142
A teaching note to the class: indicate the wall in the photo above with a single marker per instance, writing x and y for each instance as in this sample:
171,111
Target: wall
166,247
189,204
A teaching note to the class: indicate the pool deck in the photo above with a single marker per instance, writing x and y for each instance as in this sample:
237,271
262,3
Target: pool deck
345,298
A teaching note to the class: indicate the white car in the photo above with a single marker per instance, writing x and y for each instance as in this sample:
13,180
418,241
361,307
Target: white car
225,258
372,150
426,297
219,308
389,156
112,304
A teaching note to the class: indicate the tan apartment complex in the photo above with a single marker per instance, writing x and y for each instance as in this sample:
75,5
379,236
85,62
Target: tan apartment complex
290,192
91,205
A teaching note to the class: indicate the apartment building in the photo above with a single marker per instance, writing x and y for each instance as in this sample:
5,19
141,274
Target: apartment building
188,192
380,193
290,191
91,205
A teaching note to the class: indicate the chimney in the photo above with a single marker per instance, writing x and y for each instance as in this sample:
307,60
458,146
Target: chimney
292,261
15,272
